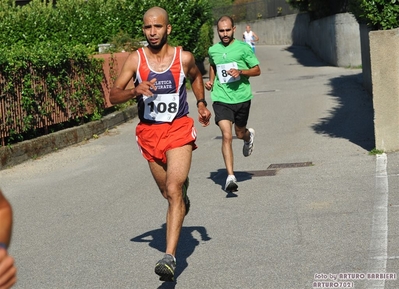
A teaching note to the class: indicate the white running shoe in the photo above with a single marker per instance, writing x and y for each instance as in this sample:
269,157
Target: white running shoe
249,146
231,184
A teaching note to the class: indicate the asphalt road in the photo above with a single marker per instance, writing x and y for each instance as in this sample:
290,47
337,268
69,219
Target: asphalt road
312,207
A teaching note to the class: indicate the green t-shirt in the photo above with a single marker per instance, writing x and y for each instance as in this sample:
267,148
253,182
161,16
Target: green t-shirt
238,55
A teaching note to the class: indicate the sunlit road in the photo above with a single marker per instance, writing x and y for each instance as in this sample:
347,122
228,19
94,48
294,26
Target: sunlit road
312,203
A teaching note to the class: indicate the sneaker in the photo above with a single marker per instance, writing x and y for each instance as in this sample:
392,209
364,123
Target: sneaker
185,197
249,146
231,184
165,268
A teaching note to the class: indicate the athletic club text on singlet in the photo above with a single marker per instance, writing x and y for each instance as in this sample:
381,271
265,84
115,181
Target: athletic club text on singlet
170,99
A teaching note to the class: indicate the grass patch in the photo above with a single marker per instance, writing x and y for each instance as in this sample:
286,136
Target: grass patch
374,152
354,67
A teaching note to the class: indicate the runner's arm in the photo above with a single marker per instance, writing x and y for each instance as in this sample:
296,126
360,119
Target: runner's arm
5,220
256,38
197,85
8,270
194,75
119,93
209,83
253,71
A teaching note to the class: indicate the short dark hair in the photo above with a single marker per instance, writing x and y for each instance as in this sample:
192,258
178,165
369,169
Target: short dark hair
226,17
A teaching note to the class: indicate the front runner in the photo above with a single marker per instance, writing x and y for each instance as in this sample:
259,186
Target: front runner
165,134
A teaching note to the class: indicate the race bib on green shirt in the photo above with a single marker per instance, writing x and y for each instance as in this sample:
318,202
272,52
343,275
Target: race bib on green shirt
222,70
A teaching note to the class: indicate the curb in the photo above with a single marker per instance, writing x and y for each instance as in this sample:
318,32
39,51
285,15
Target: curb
26,150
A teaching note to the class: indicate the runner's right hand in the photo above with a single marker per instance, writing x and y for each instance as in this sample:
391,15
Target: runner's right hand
146,88
208,85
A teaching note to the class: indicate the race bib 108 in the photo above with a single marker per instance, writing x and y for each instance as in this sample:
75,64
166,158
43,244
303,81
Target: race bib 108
161,107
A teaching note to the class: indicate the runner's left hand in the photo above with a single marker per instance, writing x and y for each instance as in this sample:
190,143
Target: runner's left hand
204,116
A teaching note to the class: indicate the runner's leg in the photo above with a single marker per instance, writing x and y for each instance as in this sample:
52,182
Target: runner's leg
158,171
241,120
179,162
227,145
242,133
170,179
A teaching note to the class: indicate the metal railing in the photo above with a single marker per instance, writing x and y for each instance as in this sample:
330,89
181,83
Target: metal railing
49,112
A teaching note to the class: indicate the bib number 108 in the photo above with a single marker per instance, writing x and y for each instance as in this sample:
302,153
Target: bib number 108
162,107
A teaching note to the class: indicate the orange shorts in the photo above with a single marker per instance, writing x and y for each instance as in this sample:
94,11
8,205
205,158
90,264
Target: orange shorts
155,140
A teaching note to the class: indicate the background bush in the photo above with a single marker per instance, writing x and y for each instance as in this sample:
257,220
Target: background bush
320,8
72,22
52,40
378,14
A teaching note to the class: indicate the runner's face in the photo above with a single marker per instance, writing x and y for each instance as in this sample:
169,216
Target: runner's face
226,32
156,31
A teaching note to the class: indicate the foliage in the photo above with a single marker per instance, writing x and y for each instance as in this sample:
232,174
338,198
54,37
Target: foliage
319,8
221,3
375,151
196,14
378,14
252,10
124,42
98,21
51,44
301,5
206,39
52,81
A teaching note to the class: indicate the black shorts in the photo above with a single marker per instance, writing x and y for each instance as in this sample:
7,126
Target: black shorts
236,113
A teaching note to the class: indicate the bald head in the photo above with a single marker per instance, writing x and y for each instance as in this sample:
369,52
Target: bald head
226,19
156,12
156,27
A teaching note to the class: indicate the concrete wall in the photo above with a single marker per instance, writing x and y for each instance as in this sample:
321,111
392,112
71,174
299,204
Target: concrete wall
366,62
275,31
384,55
335,39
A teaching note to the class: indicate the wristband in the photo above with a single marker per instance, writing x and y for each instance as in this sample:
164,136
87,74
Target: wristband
203,101
4,246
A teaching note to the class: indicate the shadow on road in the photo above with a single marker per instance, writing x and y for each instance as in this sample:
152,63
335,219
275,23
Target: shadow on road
352,118
305,56
219,177
187,244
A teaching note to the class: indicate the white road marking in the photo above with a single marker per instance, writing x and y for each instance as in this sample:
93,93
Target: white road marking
379,231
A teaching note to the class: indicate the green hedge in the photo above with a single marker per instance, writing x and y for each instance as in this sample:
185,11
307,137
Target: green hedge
95,22
53,40
39,80
378,14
